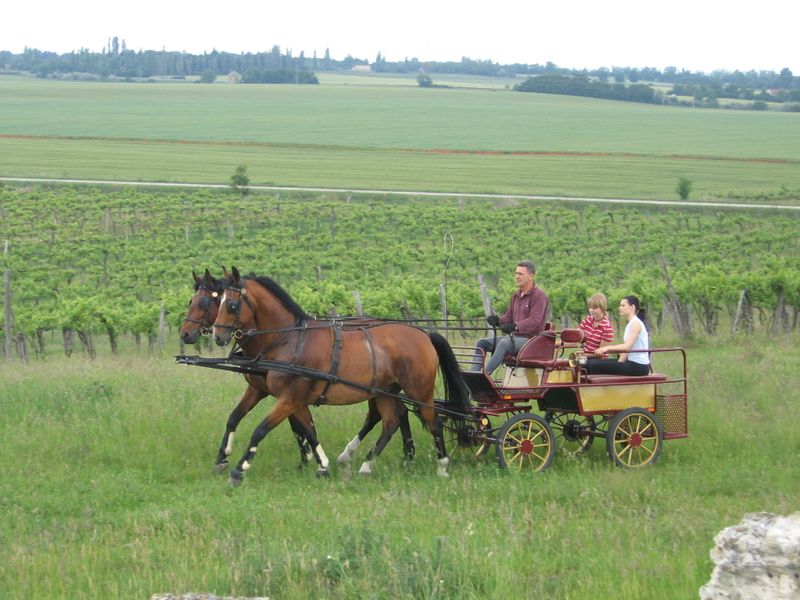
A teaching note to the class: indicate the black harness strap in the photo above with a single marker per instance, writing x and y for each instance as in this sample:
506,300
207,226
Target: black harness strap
336,336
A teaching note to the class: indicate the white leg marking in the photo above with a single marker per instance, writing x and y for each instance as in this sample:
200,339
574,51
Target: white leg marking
229,445
245,466
347,454
366,468
323,458
441,470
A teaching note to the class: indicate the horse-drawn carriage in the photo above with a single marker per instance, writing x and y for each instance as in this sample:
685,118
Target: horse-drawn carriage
545,403
634,414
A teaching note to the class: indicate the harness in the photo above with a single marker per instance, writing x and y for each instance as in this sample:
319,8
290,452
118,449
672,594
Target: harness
302,326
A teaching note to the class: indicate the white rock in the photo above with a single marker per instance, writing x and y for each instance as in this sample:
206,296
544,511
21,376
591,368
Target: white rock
757,559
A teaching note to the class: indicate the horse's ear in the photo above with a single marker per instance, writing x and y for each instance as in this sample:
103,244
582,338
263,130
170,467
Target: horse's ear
197,278
225,272
208,278
235,274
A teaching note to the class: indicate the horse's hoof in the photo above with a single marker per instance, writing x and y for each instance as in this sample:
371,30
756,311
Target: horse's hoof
343,459
220,467
322,473
366,469
236,477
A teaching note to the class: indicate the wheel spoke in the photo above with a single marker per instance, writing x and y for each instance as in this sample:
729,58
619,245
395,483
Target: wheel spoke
627,448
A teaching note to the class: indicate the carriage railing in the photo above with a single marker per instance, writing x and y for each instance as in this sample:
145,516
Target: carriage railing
470,358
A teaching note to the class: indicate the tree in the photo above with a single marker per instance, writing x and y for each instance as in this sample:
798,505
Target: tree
208,76
683,188
424,80
240,181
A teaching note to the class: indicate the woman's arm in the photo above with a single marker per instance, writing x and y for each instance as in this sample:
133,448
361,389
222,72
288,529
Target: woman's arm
627,344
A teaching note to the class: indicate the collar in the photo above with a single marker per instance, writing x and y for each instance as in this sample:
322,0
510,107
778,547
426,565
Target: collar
523,294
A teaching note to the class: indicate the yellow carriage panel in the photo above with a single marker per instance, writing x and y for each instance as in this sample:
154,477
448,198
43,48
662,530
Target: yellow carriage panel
618,397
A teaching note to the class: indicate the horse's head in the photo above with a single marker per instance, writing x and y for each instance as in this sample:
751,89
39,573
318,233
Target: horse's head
235,309
203,308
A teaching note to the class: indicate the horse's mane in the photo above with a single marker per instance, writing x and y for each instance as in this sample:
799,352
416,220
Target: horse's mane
281,294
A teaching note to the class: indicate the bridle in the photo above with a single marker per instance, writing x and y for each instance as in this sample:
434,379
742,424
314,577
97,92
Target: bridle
206,301
234,306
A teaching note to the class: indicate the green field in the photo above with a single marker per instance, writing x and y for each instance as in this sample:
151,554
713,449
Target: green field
382,135
105,479
106,491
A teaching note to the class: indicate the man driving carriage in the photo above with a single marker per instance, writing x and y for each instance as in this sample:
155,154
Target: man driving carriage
524,318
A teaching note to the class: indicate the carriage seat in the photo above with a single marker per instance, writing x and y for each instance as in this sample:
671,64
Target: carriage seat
538,352
610,379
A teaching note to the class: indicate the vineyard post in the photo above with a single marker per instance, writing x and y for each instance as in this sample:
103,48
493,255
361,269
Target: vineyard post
487,301
679,314
7,307
162,318
741,315
359,306
443,303
449,248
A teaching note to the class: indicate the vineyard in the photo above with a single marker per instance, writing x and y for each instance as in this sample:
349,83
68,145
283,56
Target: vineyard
96,263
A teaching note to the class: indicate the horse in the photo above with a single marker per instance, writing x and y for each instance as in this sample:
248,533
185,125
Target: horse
202,312
203,309
337,363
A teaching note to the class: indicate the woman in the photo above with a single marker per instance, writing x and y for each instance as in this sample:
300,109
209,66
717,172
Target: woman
634,338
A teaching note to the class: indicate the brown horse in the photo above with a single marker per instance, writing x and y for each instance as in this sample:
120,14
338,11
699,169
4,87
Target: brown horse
203,309
336,363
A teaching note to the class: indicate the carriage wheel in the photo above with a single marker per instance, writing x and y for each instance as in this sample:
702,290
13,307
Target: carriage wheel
455,440
572,432
525,442
634,438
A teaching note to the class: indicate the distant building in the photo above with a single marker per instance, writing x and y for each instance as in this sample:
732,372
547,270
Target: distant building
362,68
234,77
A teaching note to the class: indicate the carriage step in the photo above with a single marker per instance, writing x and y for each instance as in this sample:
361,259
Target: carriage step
606,379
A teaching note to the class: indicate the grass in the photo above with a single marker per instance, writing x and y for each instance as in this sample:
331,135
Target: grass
345,133
106,491
388,169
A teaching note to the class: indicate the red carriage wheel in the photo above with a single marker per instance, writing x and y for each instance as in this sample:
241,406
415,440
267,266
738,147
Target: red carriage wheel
525,442
634,438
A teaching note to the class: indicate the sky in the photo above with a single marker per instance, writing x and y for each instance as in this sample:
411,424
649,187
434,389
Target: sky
697,35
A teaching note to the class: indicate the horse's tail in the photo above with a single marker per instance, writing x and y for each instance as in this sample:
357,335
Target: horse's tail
456,392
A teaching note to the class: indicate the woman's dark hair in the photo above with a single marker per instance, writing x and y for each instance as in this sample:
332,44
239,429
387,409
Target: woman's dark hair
639,310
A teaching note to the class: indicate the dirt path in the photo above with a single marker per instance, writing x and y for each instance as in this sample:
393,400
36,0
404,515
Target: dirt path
278,188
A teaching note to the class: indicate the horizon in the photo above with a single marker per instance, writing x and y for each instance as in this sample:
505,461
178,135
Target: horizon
575,34
371,61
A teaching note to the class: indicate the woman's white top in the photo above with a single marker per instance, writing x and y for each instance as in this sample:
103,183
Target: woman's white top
642,340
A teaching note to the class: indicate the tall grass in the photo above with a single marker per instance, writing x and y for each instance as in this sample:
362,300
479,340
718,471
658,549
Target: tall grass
106,491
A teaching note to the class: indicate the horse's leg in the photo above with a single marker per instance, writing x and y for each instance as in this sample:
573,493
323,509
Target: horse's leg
282,409
372,419
388,412
422,392
303,425
434,423
250,398
405,429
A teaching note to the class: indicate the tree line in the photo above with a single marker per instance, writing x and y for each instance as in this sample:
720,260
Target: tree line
581,85
117,60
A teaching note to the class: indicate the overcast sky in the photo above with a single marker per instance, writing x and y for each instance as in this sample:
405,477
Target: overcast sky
699,35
